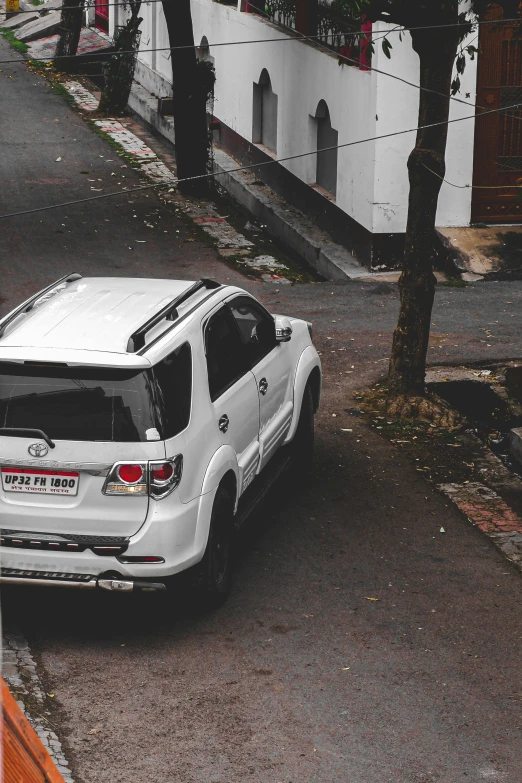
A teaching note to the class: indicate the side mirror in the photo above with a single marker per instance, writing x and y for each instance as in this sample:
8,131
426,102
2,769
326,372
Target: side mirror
283,329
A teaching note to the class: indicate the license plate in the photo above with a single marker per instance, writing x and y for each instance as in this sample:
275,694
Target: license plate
40,482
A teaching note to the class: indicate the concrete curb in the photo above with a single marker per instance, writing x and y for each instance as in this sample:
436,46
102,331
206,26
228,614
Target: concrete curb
486,510
286,223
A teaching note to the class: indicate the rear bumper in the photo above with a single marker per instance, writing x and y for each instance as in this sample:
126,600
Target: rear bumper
15,576
176,532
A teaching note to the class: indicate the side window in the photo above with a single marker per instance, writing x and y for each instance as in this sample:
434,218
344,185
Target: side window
174,383
225,355
257,328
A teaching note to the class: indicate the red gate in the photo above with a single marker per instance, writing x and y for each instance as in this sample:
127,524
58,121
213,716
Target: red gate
101,15
498,136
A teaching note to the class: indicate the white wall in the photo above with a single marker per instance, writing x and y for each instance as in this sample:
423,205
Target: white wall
301,76
397,107
372,184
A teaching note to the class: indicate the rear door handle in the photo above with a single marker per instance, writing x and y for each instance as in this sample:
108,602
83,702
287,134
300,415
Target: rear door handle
263,386
223,423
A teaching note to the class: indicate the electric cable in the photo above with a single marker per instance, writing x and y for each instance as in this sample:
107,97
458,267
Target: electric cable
212,175
468,186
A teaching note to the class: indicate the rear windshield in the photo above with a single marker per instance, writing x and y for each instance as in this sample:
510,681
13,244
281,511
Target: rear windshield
79,403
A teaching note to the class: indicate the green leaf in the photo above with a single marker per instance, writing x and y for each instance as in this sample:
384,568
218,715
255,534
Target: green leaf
387,47
455,85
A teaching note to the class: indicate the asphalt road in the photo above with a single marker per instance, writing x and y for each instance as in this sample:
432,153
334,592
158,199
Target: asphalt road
360,645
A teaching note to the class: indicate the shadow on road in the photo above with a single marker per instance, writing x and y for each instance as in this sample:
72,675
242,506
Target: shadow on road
63,613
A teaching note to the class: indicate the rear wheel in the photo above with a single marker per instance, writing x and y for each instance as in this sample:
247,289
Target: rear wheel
213,575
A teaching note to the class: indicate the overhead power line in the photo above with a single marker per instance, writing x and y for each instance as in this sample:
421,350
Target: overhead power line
138,188
470,186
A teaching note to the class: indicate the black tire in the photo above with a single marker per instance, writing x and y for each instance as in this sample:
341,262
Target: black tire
213,575
303,442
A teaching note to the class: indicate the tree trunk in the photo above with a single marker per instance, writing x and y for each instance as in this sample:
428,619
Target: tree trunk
190,99
70,29
120,70
437,50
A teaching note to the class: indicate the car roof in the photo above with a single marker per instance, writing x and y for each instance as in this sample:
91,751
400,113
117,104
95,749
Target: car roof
96,314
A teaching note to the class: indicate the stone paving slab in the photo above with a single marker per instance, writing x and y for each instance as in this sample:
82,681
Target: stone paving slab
45,48
127,140
40,28
17,21
158,172
82,97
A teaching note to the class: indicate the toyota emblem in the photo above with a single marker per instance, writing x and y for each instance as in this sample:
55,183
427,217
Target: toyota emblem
38,449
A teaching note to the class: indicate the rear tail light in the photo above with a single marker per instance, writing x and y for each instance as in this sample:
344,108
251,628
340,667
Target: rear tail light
165,476
127,478
161,473
130,474
157,479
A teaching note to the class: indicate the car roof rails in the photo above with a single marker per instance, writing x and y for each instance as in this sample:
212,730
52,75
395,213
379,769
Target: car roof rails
29,303
170,313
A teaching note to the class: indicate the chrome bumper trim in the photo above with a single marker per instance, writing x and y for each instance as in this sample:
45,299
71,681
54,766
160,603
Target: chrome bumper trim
24,580
78,581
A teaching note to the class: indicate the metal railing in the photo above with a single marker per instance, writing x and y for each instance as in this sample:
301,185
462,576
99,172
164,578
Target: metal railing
279,11
338,31
334,30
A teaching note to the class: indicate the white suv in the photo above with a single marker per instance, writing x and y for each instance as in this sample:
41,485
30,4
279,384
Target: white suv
135,417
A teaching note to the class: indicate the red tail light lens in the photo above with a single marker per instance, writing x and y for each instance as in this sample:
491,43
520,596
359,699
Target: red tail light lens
131,474
165,476
160,473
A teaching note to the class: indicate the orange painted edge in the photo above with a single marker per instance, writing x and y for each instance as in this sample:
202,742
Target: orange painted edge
27,736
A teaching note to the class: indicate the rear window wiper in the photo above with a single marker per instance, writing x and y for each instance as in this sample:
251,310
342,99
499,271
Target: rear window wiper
24,432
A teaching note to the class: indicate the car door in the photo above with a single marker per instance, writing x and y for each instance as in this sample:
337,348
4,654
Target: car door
233,392
270,363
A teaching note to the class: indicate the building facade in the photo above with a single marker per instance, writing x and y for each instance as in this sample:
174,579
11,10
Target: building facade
281,98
